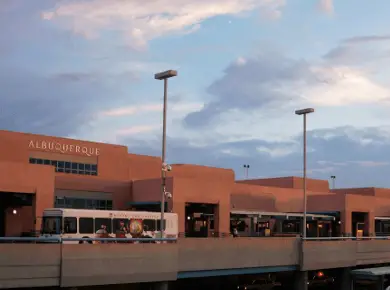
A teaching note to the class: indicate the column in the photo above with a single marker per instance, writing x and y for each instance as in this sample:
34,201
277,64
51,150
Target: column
180,208
300,280
345,279
369,224
222,219
161,286
346,223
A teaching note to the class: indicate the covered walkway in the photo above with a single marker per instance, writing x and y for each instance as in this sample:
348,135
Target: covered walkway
371,278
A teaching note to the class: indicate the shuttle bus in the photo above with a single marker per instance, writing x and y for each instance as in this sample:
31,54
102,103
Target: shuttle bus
85,223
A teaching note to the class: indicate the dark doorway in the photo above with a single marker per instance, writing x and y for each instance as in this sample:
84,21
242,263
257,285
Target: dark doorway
199,220
358,224
14,201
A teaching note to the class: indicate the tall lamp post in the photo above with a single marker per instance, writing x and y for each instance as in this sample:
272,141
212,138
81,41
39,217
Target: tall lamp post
246,170
304,112
164,167
333,177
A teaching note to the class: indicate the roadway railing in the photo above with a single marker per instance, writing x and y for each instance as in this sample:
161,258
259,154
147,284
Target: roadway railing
345,238
85,240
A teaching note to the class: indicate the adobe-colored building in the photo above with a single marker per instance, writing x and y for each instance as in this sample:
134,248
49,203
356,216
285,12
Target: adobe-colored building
38,172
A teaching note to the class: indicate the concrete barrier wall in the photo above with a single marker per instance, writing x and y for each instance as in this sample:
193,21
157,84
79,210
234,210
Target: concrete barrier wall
29,265
105,264
372,252
328,254
210,254
336,254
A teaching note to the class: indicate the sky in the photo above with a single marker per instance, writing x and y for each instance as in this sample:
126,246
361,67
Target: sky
85,69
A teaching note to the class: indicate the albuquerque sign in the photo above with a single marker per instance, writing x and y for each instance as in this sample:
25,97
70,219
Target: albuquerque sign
63,148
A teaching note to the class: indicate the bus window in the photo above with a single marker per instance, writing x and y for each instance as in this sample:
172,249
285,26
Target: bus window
51,225
117,224
101,221
86,226
70,225
159,225
149,225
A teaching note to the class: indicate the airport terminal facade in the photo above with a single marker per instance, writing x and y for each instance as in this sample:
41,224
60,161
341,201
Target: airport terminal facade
38,172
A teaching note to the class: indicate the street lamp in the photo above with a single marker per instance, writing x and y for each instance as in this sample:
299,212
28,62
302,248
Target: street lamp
164,167
333,177
246,170
304,112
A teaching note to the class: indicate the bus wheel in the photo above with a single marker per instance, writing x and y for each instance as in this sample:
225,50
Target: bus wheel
85,242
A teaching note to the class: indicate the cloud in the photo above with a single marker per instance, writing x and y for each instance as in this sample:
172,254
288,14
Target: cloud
176,107
271,83
33,102
326,6
139,21
334,156
137,130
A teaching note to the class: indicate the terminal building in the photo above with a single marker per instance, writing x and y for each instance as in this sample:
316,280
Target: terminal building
39,172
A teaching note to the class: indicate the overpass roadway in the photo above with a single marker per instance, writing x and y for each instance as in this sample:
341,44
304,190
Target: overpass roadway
66,265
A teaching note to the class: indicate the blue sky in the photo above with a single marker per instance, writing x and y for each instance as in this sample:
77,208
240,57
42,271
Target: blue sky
84,69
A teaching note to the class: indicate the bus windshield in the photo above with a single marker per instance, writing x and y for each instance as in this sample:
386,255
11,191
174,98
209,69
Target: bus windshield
51,225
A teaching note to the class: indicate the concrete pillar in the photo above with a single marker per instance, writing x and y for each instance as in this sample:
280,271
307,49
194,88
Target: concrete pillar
345,279
346,222
380,283
300,280
161,286
369,224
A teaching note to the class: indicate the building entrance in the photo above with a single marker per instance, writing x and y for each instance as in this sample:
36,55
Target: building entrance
199,220
14,201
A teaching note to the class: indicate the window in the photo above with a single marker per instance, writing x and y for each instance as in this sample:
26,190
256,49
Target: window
68,167
86,225
82,203
70,225
159,225
117,224
149,225
101,221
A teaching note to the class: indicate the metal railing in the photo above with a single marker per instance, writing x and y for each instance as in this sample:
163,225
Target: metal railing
346,238
84,240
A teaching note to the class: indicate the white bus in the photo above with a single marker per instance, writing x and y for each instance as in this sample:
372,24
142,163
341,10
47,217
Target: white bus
84,223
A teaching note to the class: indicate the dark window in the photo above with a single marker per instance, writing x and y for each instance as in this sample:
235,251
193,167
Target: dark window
101,204
99,222
149,225
86,225
70,225
117,224
159,225
68,167
109,204
79,203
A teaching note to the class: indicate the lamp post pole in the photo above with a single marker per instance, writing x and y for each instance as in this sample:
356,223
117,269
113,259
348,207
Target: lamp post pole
333,177
304,112
164,167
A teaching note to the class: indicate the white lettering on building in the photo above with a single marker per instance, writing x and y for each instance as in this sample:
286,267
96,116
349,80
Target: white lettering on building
63,148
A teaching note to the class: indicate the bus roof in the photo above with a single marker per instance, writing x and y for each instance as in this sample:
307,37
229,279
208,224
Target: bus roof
102,213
